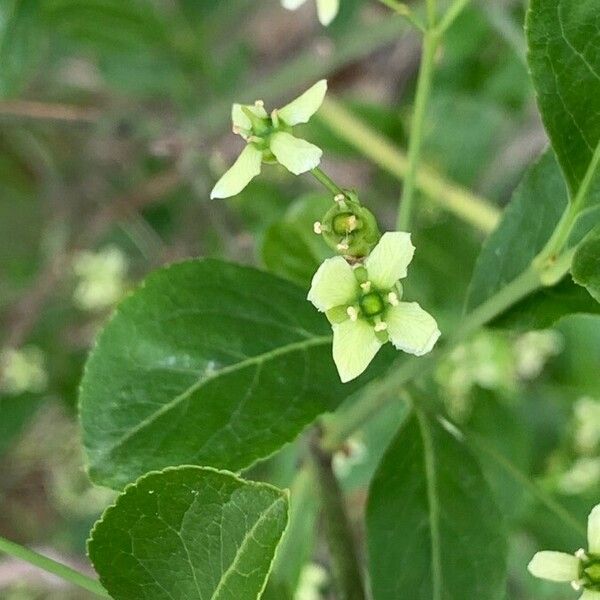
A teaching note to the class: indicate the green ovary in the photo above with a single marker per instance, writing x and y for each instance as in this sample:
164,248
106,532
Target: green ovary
590,573
372,304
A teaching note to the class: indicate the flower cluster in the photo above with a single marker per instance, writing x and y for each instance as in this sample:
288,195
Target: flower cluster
23,371
582,569
269,140
359,290
100,278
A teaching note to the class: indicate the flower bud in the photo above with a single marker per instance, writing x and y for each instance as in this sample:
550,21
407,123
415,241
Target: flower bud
350,228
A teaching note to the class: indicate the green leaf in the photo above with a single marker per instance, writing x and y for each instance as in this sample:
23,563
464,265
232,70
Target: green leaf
16,412
434,530
189,533
290,247
548,306
563,38
526,225
586,264
499,425
207,363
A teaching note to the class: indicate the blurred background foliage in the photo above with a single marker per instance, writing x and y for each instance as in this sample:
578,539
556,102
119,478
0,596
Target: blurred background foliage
114,125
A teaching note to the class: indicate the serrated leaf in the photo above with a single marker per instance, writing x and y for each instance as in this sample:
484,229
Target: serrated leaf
563,38
526,225
434,530
207,363
189,533
586,264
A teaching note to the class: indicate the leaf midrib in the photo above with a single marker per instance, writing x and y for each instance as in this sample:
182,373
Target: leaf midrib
227,370
249,534
434,507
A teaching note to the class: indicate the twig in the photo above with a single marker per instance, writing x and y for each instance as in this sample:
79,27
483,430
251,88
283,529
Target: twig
32,109
346,565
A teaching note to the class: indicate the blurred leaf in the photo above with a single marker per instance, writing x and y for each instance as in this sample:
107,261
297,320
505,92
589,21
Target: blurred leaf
563,37
16,411
546,307
586,264
207,363
527,223
189,532
503,430
21,43
290,247
433,527
458,151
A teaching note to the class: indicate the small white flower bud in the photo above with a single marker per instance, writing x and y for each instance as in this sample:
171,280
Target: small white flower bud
339,198
317,228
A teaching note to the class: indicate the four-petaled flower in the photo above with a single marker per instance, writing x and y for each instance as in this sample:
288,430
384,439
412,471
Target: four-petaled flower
326,9
363,305
269,140
582,569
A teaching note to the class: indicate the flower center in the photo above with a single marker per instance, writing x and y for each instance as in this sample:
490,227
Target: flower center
345,223
372,304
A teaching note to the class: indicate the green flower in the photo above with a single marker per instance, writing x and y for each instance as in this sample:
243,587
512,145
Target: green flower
269,139
326,9
363,305
582,569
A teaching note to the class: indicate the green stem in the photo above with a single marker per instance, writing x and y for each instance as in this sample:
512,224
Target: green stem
516,290
481,443
430,45
52,566
559,239
405,11
451,15
346,565
467,206
326,181
431,13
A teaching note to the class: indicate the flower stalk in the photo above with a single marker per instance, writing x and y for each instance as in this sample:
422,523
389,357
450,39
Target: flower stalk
344,556
51,566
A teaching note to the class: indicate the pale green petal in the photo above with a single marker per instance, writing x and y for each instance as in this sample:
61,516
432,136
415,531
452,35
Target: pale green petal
327,10
594,530
292,4
411,329
296,155
590,595
241,121
389,260
554,566
355,344
305,106
243,170
333,285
